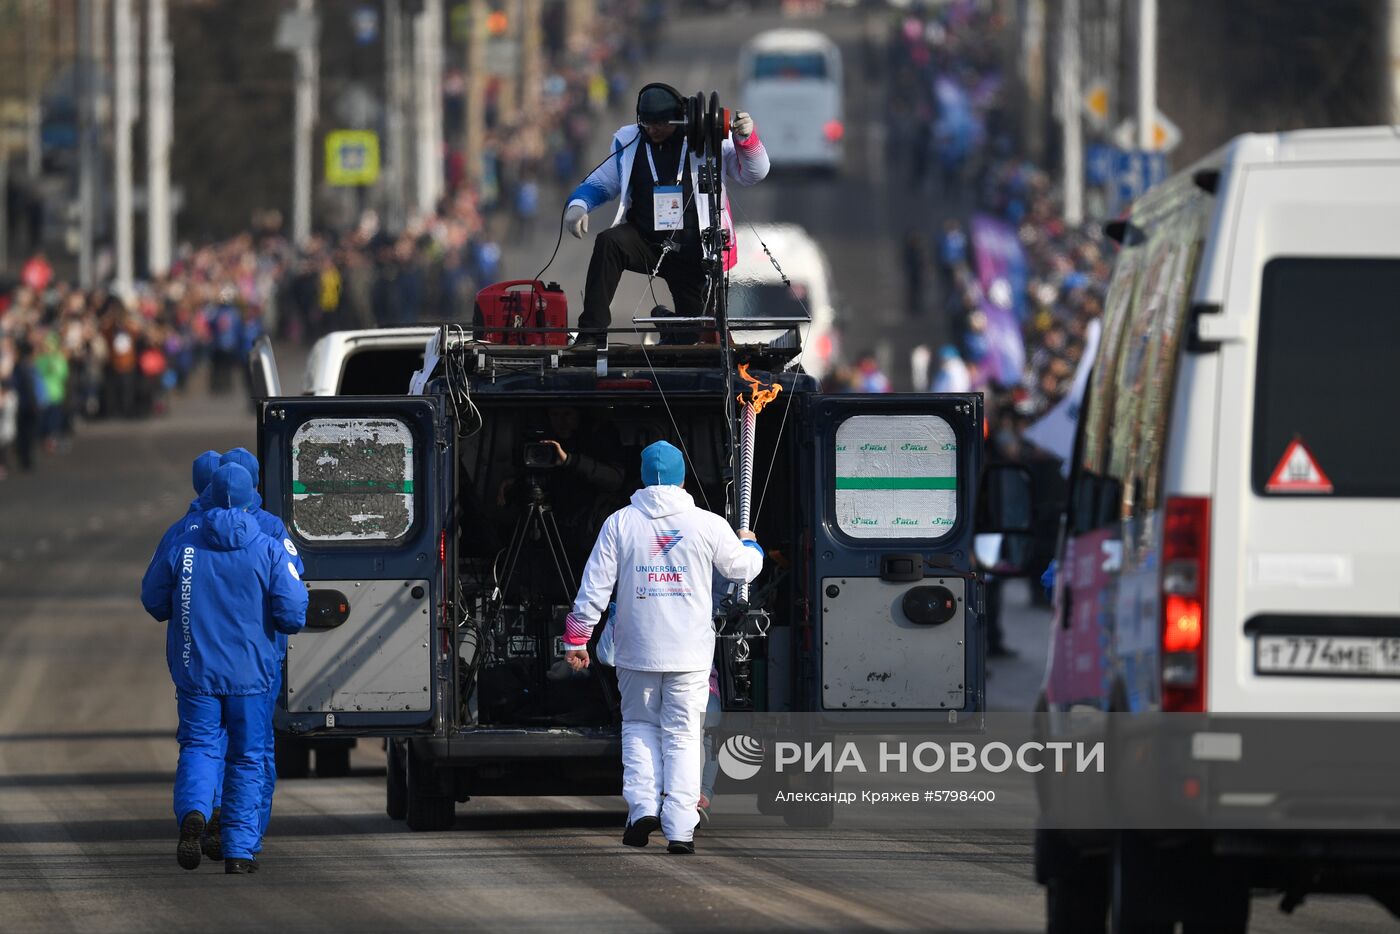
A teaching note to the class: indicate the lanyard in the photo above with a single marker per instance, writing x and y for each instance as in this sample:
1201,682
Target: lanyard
680,166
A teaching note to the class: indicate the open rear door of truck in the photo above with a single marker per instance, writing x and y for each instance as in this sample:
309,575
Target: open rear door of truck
364,485
897,608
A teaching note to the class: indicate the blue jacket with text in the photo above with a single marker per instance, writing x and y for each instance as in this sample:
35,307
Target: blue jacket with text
227,591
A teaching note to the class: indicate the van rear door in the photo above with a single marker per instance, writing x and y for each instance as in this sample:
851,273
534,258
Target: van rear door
363,485
1305,612
896,606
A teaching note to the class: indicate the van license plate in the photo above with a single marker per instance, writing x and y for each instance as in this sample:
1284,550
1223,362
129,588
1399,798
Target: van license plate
1361,656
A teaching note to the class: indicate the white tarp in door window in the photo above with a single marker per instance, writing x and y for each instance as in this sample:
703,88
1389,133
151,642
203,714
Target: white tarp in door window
352,479
896,476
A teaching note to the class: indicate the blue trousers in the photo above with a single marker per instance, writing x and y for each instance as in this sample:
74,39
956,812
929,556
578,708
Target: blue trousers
269,777
225,739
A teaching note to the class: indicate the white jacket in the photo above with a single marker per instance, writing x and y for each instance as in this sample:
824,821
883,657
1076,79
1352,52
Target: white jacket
661,552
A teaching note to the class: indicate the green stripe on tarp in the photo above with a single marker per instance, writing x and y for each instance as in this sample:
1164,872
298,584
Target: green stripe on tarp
896,483
352,486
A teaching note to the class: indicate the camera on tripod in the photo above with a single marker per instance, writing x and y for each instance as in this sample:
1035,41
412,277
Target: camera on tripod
541,455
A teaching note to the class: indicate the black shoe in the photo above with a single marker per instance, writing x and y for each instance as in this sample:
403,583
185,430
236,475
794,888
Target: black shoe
638,832
212,843
681,847
187,850
240,867
584,341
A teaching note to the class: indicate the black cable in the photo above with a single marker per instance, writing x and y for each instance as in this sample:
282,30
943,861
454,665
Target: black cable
560,239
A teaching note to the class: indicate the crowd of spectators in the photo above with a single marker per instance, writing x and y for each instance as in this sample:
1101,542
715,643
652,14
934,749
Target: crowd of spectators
950,125
69,355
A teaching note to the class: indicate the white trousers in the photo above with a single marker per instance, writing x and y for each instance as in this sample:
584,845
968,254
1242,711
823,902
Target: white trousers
663,721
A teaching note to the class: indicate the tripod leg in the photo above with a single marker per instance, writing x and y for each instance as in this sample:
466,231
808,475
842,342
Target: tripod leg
517,541
558,552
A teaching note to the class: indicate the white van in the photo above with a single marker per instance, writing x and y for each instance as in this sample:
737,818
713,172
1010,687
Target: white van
790,81
757,290
1229,549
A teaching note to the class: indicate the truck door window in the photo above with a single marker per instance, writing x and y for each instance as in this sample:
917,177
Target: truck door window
352,480
896,476
1328,330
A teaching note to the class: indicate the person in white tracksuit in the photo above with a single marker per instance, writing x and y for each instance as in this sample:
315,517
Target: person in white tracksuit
660,552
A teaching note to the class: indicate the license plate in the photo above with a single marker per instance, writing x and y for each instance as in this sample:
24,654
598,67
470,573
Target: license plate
1359,656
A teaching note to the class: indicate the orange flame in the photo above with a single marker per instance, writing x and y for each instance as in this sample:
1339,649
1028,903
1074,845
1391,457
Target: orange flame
759,394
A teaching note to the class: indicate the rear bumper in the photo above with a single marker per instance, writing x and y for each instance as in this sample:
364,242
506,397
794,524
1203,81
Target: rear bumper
1274,774
492,746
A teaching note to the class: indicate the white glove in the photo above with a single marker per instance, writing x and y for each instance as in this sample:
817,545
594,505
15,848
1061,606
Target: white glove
576,219
742,126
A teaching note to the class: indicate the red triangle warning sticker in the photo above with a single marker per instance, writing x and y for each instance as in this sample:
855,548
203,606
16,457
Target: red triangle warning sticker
1298,472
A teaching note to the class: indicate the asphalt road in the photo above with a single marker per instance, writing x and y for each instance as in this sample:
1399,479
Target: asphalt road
87,750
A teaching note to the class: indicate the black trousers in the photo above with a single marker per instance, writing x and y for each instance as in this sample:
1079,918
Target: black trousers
623,249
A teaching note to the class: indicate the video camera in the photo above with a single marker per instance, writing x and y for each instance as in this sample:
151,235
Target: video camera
541,455
704,123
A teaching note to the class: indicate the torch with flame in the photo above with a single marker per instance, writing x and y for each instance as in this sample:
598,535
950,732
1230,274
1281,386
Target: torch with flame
753,399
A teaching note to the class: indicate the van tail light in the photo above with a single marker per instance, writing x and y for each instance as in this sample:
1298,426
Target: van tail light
442,569
833,131
1185,576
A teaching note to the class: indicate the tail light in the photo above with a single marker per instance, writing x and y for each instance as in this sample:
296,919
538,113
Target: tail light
1185,575
442,569
833,131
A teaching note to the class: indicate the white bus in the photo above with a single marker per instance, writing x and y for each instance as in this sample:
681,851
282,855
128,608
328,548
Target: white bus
790,80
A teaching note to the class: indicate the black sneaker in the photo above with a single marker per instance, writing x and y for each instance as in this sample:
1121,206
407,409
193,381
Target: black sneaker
212,843
681,847
187,850
638,832
240,867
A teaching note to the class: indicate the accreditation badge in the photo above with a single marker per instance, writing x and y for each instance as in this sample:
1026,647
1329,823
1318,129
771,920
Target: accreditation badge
668,207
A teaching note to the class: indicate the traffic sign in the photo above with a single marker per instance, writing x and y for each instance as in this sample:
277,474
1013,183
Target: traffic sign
352,157
1096,104
1135,172
1166,135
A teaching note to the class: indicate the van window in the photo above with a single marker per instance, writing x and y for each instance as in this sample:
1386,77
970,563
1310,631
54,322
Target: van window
789,66
383,371
1328,333
896,476
767,300
352,480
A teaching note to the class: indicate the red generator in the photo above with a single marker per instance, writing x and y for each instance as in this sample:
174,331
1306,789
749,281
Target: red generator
522,304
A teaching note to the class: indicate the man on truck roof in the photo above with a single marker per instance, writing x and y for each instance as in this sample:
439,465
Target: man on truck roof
660,552
652,172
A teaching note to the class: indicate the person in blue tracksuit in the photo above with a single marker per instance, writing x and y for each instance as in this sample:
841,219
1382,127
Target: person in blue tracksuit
273,527
226,590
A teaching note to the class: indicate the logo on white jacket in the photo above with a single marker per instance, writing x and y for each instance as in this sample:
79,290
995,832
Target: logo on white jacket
666,539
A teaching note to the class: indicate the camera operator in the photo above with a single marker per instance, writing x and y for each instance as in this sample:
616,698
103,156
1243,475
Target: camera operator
653,172
584,461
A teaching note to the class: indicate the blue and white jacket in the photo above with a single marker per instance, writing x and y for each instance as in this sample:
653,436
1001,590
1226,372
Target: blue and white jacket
745,161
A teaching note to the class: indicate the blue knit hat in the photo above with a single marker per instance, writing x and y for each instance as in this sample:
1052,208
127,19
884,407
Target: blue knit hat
662,465
231,488
243,458
204,467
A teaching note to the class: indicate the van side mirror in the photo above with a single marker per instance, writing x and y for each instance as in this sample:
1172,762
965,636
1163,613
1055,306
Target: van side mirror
1007,504
1004,544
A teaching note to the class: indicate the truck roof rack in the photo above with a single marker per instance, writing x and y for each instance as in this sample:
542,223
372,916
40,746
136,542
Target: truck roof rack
485,357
